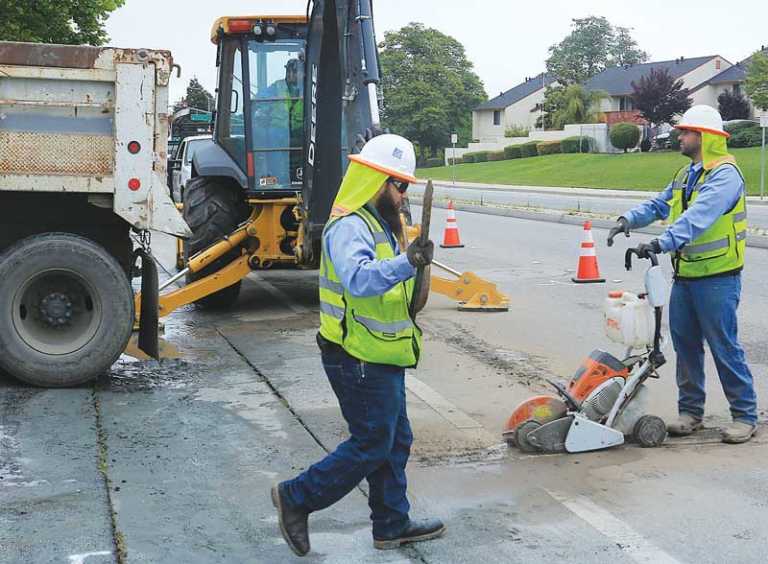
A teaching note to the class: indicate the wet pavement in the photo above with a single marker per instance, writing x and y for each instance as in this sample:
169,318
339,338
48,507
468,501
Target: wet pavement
172,461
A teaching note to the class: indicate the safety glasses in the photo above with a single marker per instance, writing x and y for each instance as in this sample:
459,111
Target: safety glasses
399,185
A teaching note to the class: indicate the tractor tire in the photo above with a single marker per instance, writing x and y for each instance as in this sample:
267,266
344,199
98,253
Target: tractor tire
213,208
649,431
66,310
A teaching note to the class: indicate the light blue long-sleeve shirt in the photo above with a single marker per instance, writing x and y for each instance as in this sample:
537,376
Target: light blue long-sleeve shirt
719,193
352,251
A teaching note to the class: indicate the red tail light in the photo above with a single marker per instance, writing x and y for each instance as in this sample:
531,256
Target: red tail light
134,184
134,147
240,26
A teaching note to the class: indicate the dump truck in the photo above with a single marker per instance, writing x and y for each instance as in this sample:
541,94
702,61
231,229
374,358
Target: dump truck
83,143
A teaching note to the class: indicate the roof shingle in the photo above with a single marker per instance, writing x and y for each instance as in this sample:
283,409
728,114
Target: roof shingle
517,93
617,81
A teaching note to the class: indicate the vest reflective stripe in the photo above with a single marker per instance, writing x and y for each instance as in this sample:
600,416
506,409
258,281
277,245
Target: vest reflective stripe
335,287
721,247
379,237
375,329
375,325
332,310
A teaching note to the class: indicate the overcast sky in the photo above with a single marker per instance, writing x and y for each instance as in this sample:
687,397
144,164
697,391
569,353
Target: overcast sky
506,40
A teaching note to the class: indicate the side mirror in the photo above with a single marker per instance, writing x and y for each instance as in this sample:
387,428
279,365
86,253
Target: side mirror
175,164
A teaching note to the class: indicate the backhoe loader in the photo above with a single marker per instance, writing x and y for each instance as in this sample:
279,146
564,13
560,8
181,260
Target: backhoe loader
295,96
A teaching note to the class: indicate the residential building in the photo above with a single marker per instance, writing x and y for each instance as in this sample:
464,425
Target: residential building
513,108
695,72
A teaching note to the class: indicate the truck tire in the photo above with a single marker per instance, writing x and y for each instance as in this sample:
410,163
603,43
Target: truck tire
66,310
213,208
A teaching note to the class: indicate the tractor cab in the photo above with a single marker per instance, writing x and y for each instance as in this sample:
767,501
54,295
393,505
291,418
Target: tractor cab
260,107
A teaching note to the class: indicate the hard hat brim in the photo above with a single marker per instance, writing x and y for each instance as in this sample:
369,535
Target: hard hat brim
703,130
386,170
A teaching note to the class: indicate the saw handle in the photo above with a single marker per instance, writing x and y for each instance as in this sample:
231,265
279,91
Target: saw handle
628,258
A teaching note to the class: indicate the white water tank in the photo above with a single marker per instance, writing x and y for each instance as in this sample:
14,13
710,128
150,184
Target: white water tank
628,319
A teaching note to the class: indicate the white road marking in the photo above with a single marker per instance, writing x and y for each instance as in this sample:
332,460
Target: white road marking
278,294
80,558
441,405
637,547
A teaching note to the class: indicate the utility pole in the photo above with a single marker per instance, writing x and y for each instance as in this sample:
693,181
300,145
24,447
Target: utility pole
455,138
763,125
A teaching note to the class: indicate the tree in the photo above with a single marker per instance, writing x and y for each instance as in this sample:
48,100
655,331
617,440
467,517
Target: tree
592,46
69,22
429,87
659,96
757,80
569,104
196,97
624,135
732,105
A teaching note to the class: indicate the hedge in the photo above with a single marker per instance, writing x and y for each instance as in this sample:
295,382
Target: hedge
529,149
468,157
457,160
512,152
744,134
433,162
548,147
496,155
481,156
577,144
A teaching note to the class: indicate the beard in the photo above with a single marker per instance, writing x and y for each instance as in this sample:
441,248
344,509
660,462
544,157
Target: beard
390,212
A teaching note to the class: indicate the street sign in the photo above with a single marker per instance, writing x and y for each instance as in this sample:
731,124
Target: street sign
200,117
764,120
455,138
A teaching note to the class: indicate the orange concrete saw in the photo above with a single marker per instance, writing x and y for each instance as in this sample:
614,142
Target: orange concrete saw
606,398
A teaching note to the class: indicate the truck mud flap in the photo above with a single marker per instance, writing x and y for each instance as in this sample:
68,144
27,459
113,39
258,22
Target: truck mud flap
150,298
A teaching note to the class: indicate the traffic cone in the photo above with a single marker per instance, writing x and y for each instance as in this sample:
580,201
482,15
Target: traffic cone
587,270
451,234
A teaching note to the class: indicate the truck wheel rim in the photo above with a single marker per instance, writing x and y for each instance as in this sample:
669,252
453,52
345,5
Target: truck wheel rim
56,312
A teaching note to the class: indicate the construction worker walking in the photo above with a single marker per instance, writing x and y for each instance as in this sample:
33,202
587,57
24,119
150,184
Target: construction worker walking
367,338
706,206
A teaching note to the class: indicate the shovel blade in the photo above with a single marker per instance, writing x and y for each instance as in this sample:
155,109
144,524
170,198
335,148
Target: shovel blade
150,304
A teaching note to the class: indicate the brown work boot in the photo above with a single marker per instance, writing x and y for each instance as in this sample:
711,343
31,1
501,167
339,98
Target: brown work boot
293,522
425,529
684,425
738,432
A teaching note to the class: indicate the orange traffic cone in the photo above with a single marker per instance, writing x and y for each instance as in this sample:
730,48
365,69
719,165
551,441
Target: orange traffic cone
451,234
588,270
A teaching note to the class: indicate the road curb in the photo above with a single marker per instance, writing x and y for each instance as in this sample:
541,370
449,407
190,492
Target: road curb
756,241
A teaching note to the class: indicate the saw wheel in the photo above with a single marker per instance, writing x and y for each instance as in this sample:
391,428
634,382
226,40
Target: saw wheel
521,436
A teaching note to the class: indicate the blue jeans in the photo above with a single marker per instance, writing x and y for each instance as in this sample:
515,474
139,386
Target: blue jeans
372,400
706,309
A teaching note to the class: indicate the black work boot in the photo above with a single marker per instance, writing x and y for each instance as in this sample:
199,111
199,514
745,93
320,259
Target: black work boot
424,529
293,522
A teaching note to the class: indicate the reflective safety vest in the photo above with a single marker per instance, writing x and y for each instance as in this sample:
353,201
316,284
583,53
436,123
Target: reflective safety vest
720,249
376,329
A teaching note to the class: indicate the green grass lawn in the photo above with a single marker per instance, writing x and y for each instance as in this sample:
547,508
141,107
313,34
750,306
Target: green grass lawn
632,171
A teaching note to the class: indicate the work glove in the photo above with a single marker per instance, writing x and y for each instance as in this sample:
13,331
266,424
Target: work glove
420,254
622,225
653,246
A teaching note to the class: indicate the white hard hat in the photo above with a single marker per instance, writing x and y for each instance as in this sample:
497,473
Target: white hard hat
390,154
703,118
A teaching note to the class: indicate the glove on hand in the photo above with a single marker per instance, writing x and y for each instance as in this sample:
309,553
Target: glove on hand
644,249
622,225
420,254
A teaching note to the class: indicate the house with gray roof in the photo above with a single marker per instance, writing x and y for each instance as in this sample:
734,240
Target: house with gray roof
512,108
695,72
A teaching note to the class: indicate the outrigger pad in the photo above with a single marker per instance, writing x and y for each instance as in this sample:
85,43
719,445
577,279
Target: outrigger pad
150,304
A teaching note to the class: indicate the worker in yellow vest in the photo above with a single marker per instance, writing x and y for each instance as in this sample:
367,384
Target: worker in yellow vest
367,338
706,206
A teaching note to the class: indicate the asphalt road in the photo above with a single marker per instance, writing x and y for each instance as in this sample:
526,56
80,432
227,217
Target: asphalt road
573,200
172,461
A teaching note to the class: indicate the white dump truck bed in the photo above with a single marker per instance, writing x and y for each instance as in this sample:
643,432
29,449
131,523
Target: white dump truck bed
93,120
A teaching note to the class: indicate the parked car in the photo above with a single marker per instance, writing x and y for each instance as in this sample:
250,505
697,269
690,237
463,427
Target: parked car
181,165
